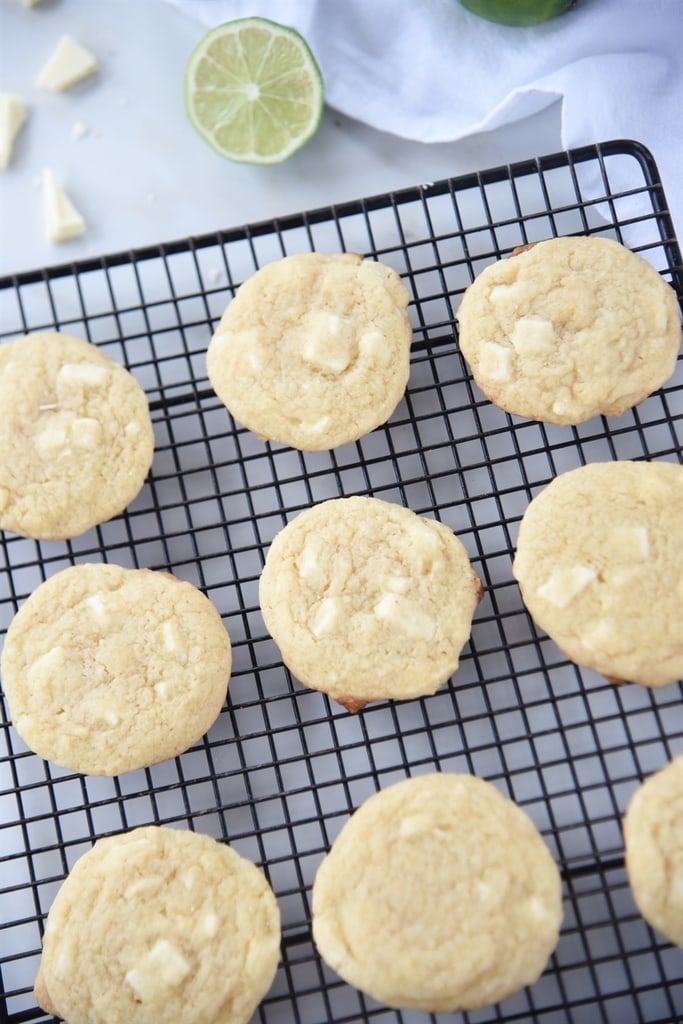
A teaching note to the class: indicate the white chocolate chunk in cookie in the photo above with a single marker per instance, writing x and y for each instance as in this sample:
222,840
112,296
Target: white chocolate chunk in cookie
414,825
162,968
97,607
326,616
85,375
405,615
496,361
86,432
53,438
565,584
174,640
329,344
533,337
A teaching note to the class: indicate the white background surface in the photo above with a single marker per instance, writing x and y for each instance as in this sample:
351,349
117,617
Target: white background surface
141,175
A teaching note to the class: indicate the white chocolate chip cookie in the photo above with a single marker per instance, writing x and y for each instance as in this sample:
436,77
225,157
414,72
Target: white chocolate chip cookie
439,894
568,329
368,601
157,926
107,669
76,440
314,350
653,838
600,565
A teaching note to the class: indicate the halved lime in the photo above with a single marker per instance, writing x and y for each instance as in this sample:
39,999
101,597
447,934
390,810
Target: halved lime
254,91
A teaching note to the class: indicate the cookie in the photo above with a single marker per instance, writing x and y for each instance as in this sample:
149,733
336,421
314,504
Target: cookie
159,925
568,329
314,350
76,439
600,565
653,839
439,894
368,601
107,669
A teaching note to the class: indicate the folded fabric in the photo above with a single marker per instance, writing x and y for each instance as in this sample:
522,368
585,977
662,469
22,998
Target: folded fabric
434,72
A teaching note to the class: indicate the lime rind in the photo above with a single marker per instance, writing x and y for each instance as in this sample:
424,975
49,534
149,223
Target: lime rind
254,91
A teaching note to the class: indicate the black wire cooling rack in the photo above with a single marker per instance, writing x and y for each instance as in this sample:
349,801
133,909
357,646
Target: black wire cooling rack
282,768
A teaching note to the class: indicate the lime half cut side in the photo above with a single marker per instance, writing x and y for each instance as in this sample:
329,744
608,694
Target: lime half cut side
254,91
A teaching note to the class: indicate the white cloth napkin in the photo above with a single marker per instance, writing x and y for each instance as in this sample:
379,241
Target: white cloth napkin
433,72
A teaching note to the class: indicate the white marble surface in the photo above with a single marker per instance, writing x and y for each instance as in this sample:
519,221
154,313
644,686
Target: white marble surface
141,175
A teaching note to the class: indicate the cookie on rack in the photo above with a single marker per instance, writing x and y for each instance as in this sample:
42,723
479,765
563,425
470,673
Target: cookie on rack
653,840
368,601
314,350
440,895
76,439
570,328
600,565
159,924
107,669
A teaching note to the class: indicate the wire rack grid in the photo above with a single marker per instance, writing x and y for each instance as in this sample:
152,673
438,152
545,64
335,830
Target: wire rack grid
283,767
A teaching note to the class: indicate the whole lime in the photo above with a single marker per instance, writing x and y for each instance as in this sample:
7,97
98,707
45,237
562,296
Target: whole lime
518,12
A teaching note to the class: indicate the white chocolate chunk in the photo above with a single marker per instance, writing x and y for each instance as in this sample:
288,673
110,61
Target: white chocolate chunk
69,63
425,546
209,925
319,425
643,542
132,429
12,116
82,374
371,343
86,432
161,690
62,219
108,717
405,615
53,437
495,362
174,640
533,337
44,670
161,969
97,608
415,825
330,345
502,293
325,616
398,584
78,130
565,584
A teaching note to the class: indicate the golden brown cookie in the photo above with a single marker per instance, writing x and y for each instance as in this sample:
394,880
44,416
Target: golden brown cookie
439,894
568,329
107,669
157,926
314,350
76,440
653,837
368,601
600,565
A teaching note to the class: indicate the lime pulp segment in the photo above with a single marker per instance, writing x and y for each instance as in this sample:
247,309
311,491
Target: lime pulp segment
254,91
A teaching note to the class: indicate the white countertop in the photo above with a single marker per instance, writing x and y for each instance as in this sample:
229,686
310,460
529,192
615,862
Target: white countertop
140,174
